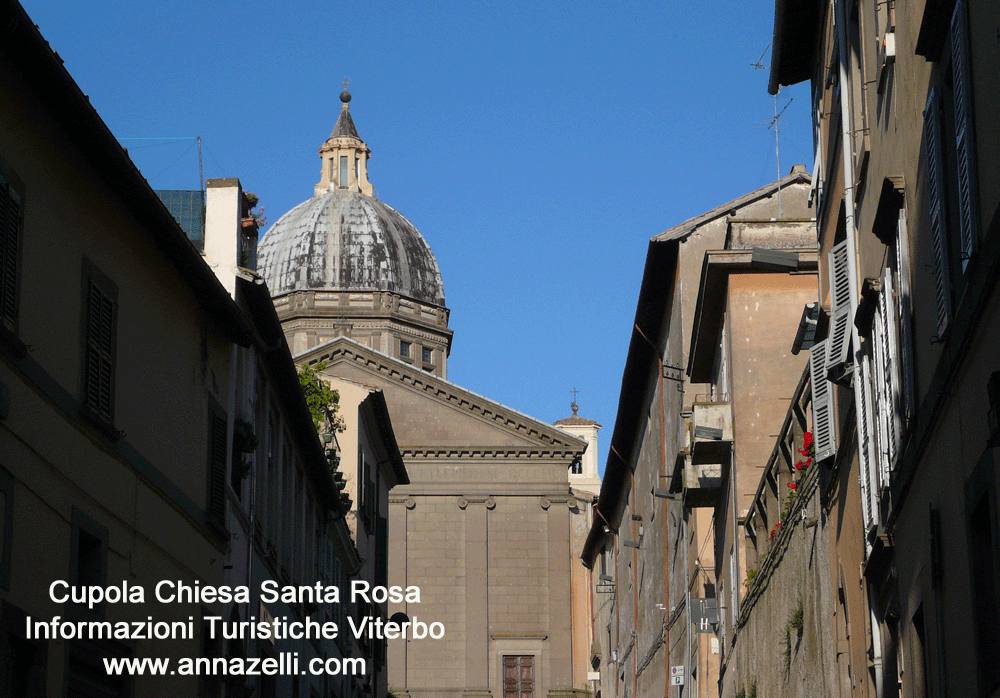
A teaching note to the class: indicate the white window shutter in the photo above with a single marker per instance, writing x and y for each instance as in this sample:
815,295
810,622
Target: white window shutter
884,354
824,433
908,399
935,193
869,493
891,360
968,205
840,298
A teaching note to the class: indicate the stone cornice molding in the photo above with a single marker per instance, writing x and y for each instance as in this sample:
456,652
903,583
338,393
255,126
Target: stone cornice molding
558,442
486,453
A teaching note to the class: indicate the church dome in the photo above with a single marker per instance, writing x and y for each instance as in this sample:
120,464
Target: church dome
344,238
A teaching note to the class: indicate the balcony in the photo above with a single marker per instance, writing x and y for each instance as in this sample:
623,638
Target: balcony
709,452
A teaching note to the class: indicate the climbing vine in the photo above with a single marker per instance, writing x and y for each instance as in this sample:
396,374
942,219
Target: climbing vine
323,401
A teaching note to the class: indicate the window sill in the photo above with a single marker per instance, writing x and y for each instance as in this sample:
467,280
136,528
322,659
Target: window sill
106,428
11,344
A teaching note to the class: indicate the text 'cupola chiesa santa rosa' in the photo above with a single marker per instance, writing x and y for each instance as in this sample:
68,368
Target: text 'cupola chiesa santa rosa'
499,504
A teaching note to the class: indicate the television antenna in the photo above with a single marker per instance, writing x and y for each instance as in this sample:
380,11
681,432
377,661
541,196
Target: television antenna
775,123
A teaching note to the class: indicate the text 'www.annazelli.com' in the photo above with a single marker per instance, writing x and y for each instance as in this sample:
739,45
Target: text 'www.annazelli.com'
285,664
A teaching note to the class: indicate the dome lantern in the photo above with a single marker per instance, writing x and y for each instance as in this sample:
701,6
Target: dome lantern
344,155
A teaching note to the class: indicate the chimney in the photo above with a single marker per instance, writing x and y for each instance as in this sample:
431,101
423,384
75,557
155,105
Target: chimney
228,245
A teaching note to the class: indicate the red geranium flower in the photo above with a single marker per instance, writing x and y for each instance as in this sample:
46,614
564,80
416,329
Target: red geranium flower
777,525
798,466
807,439
792,485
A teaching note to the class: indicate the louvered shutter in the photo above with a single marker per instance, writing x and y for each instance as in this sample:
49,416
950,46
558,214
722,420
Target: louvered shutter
935,193
968,204
886,383
840,297
907,402
865,443
822,402
816,186
880,377
891,355
10,223
99,361
216,508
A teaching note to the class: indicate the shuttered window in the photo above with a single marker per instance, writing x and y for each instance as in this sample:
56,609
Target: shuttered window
100,334
519,677
866,445
840,297
907,406
822,402
934,153
215,507
968,196
10,236
887,387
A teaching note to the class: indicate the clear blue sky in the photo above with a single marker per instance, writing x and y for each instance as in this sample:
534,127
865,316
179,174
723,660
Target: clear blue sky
536,145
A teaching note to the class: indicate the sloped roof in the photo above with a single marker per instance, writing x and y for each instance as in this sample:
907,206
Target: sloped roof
526,428
681,231
345,125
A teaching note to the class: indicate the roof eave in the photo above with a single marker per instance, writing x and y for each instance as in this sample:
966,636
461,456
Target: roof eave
795,42
717,265
25,47
649,331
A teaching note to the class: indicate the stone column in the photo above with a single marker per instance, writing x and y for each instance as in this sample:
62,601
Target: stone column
560,603
397,651
477,674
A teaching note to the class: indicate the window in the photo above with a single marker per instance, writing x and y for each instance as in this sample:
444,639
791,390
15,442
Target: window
952,186
519,677
343,172
22,661
6,525
576,467
404,349
88,562
367,493
215,504
100,308
10,237
427,355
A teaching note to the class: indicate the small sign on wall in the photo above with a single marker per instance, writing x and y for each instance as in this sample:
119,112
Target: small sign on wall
677,675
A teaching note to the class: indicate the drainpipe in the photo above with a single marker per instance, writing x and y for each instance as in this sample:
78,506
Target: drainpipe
847,127
687,598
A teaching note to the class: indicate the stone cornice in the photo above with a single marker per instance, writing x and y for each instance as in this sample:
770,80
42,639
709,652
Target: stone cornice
488,453
548,439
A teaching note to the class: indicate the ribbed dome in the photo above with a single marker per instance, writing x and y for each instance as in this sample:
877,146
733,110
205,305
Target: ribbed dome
345,240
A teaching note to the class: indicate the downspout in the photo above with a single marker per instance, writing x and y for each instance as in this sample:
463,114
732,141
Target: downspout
687,597
666,550
847,150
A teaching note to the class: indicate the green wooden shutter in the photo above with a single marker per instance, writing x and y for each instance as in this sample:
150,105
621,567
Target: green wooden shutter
935,192
968,196
217,431
840,295
822,402
10,223
99,361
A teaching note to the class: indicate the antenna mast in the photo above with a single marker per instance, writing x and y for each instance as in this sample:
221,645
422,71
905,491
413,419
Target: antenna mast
775,123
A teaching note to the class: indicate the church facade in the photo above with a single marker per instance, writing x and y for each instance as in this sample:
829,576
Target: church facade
489,526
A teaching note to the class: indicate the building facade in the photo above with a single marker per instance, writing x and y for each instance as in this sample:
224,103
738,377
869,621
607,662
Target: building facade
706,382
152,427
902,380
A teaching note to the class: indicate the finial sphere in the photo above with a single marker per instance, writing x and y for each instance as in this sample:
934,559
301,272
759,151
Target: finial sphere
345,96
